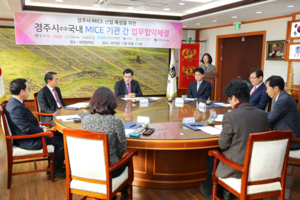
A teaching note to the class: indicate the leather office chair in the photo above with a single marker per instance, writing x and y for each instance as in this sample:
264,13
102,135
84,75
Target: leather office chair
16,155
264,170
88,168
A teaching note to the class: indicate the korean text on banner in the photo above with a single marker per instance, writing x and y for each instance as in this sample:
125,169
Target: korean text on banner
172,86
41,29
2,88
189,61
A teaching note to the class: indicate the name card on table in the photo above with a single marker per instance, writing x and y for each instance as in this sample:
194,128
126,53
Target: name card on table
144,102
202,105
143,119
187,120
179,102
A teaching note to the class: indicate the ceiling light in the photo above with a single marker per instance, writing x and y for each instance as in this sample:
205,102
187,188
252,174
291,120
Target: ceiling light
184,26
234,16
198,23
96,5
259,12
214,20
59,0
291,6
181,4
167,9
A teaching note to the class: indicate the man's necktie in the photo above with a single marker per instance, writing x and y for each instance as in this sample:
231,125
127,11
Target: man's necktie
128,88
58,100
253,90
198,84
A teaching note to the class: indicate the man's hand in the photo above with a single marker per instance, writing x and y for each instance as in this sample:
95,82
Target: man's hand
131,95
45,128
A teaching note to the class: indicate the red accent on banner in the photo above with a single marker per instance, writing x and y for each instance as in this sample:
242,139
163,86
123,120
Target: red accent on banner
189,60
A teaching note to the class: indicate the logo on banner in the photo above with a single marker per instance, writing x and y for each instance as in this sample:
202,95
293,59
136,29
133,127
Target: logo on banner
155,39
57,36
137,39
129,38
172,72
298,49
88,37
101,37
36,35
124,38
72,36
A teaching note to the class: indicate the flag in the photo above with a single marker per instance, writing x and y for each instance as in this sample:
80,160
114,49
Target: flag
189,61
2,89
172,86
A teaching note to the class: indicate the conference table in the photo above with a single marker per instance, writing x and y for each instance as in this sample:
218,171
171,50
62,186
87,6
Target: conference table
172,157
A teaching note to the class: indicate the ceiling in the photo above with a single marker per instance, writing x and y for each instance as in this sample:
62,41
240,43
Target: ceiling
269,8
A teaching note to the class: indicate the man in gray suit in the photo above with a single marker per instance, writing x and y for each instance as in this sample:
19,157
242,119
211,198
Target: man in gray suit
284,115
237,125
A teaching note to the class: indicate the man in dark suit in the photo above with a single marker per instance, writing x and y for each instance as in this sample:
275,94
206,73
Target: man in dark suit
22,122
258,96
200,88
237,125
49,97
127,88
284,115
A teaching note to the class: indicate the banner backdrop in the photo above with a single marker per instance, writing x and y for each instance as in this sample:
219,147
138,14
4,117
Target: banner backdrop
40,29
189,60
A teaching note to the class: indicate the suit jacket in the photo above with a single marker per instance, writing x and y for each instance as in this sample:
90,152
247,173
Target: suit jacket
203,92
259,98
210,68
47,103
285,116
22,122
237,125
121,91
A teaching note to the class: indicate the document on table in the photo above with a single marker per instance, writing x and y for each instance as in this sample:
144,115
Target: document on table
219,127
223,104
137,98
190,99
128,131
155,98
210,130
219,118
68,118
78,105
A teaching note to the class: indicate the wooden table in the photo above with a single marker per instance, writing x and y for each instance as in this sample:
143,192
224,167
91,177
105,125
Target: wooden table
173,156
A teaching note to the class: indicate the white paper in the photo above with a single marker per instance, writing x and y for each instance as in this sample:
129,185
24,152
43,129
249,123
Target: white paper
142,119
219,118
223,104
65,117
179,101
210,130
155,98
219,127
78,105
128,131
202,105
186,120
191,99
137,98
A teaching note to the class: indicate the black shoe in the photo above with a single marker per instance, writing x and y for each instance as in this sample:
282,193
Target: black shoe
227,195
114,198
57,174
205,191
124,195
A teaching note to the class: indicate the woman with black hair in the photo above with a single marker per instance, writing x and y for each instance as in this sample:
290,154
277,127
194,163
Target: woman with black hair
207,66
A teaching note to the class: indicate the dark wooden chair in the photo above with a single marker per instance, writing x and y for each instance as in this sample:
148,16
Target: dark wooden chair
294,159
16,155
264,170
37,111
88,168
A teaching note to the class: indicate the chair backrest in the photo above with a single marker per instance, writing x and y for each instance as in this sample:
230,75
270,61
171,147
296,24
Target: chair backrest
4,123
267,155
87,154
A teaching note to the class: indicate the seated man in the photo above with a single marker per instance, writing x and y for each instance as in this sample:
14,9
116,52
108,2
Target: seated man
284,115
237,125
200,88
127,88
22,122
258,96
49,97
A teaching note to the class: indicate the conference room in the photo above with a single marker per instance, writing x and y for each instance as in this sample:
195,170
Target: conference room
143,99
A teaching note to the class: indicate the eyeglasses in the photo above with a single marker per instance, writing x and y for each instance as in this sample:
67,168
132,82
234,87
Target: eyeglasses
252,78
128,77
228,100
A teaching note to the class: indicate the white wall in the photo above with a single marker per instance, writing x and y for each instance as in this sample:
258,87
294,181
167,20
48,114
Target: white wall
6,23
275,30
